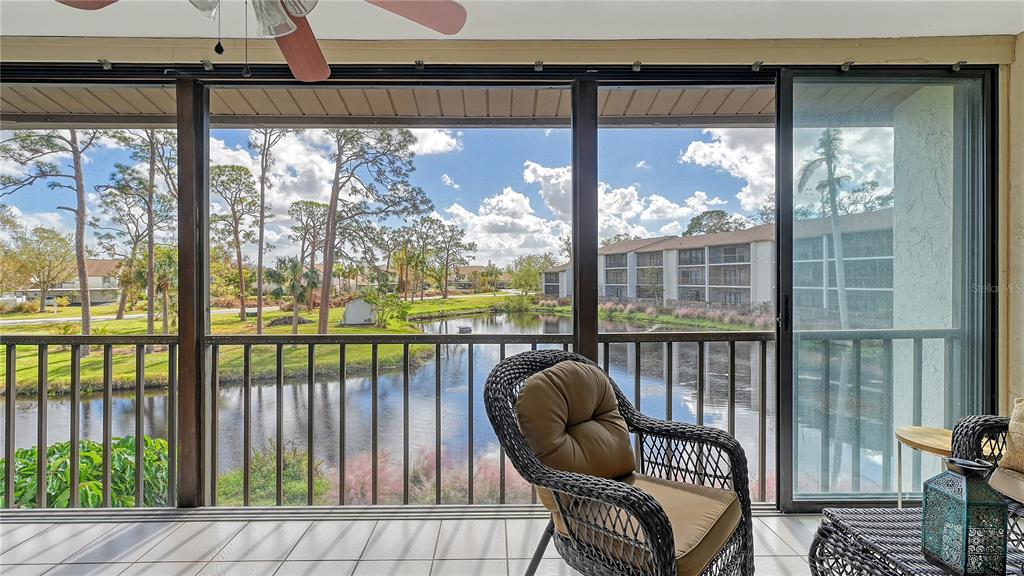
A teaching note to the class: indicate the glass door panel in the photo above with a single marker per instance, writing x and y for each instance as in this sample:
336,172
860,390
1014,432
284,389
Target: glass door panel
889,252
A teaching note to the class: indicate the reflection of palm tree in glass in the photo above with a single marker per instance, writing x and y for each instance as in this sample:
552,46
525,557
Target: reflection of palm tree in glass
828,150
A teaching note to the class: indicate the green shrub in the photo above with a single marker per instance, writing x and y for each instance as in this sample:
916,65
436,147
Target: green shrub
263,488
26,307
90,485
63,301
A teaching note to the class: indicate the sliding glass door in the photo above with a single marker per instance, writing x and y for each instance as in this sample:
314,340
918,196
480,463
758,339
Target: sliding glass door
885,264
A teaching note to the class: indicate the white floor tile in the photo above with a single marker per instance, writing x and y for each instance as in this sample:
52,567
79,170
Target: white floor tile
796,531
193,541
392,568
471,539
333,540
55,544
317,568
13,534
263,541
768,543
164,569
402,540
523,536
125,542
469,568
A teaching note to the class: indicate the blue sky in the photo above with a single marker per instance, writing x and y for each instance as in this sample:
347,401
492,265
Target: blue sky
507,187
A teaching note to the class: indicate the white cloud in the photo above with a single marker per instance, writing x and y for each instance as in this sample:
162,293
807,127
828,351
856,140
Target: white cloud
555,187
642,165
505,226
436,141
29,220
745,153
671,229
661,208
450,182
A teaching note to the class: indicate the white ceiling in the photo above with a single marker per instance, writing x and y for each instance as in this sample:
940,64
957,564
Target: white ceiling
547,19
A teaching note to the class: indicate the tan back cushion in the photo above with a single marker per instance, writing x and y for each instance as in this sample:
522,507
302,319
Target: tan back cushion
1013,456
571,421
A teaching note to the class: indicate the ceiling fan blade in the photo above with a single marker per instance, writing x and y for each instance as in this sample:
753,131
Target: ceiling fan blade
87,4
444,16
302,52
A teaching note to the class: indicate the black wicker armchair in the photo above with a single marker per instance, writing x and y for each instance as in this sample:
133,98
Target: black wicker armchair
984,437
623,525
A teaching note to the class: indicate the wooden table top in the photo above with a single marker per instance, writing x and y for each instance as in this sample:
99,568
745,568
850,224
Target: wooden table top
938,441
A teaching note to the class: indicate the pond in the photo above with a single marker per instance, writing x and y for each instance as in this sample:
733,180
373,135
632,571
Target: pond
328,434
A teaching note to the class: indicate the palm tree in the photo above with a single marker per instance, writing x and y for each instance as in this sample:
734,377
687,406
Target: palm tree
165,278
292,278
828,150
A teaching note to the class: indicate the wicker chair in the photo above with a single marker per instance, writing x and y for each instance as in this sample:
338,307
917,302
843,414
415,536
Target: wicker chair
984,437
611,526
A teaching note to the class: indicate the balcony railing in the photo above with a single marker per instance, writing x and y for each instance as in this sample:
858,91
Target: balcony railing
113,369
868,362
698,371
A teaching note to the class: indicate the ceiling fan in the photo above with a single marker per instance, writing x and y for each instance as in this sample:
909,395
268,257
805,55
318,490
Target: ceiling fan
285,22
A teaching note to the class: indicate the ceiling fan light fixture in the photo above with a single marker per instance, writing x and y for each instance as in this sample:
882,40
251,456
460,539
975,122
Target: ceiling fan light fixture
299,8
273,20
209,8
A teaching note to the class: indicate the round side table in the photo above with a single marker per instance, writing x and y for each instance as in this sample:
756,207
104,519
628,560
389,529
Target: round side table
937,441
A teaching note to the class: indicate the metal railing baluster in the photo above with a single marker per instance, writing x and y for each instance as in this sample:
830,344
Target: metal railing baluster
172,425
246,424
108,408
279,425
140,397
469,423
856,408
10,403
668,381
501,449
637,451
437,423
214,420
732,388
42,395
310,419
700,383
762,422
405,423
826,413
342,400
74,500
373,424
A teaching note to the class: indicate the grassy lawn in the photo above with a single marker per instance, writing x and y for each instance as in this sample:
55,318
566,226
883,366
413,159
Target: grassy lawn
663,319
231,361
66,312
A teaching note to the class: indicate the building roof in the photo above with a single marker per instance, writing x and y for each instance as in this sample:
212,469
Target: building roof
760,233
560,267
101,267
861,222
630,245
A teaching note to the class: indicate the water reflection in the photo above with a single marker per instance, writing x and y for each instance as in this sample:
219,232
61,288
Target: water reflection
330,434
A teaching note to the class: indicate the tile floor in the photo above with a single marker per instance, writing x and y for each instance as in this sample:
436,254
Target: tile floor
313,547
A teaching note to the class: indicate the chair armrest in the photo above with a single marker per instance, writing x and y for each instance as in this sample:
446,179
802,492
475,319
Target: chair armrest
980,437
608,520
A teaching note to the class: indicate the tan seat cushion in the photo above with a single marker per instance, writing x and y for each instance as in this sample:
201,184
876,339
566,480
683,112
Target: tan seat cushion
702,518
1009,483
1013,456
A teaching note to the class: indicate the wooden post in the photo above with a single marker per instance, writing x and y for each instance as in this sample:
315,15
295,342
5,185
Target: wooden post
584,216
194,404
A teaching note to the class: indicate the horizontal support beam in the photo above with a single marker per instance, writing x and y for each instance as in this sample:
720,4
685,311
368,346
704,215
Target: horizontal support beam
189,51
37,339
53,121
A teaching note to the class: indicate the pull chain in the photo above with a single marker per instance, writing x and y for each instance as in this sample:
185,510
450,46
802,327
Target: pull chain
245,69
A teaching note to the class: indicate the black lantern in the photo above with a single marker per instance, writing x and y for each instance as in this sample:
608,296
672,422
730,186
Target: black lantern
964,520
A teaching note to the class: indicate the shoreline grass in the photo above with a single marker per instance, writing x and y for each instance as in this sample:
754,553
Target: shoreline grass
358,356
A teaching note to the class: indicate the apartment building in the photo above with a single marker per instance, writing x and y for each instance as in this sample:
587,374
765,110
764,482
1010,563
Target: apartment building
737,268
102,281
